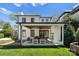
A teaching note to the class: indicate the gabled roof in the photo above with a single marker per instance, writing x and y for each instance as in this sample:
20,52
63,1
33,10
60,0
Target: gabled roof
76,9
62,15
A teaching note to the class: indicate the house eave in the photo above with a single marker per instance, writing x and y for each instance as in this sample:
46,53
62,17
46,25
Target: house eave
40,23
74,10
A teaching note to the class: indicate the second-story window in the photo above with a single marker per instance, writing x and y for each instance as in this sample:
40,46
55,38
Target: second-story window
32,20
42,20
23,19
47,20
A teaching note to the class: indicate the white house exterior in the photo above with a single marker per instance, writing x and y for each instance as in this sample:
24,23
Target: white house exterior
49,32
1,27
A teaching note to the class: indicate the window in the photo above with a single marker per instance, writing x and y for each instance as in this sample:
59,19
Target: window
32,33
43,33
32,20
23,33
47,20
23,19
42,20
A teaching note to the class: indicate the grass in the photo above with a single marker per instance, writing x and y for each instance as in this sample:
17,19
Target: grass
26,51
5,41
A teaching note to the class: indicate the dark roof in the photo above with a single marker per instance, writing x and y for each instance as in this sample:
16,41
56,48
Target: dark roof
62,15
74,10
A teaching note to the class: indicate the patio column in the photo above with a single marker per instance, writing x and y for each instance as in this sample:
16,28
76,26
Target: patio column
62,34
36,31
20,33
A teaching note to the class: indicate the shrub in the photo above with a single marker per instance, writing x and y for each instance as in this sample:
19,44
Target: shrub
1,35
7,25
69,35
7,32
14,37
1,31
77,35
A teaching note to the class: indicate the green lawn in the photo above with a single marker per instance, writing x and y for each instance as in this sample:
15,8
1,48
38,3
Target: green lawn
25,51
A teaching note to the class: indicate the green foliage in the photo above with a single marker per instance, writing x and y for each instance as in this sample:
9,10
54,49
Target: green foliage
13,17
14,37
68,19
69,35
1,35
72,21
75,24
7,26
7,32
1,31
77,35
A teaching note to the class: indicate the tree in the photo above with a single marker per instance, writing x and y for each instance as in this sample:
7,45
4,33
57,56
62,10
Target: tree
69,35
7,26
75,24
7,32
74,21
13,17
1,35
77,35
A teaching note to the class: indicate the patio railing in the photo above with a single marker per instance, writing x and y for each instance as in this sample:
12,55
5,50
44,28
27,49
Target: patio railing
37,41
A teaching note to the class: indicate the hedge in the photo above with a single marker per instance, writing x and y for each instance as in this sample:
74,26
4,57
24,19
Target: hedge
1,35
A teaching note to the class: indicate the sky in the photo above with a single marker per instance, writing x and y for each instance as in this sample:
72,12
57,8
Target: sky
44,9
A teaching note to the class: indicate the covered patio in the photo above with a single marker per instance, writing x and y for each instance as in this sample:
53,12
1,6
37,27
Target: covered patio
40,34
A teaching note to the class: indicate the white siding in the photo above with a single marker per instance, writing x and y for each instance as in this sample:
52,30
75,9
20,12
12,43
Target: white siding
49,20
27,32
28,18
56,29
36,19
75,16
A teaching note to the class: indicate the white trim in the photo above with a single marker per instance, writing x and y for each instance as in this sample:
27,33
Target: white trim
62,34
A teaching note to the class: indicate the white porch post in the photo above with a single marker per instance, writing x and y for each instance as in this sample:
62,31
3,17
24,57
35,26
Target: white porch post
20,33
62,34
36,31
